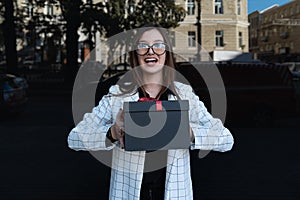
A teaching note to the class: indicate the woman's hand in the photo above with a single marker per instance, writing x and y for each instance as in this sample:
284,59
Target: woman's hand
117,130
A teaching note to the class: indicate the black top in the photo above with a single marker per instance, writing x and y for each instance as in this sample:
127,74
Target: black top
153,183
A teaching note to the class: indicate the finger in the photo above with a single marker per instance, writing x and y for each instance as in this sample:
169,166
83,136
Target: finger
120,113
122,130
120,118
122,142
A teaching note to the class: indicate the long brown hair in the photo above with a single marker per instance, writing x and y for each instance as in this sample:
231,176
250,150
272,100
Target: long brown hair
168,70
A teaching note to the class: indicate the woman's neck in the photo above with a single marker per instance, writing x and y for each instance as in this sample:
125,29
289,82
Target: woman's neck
152,89
152,84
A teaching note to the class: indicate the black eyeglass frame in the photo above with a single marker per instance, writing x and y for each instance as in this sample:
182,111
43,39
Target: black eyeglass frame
151,46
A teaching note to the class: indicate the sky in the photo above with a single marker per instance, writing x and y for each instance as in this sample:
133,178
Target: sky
260,5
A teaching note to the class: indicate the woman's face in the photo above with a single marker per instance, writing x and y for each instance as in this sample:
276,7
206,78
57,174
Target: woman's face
152,62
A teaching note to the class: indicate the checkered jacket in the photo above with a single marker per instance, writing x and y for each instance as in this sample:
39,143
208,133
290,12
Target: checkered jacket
127,167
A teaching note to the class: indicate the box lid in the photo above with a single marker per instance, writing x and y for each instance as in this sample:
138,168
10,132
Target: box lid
146,106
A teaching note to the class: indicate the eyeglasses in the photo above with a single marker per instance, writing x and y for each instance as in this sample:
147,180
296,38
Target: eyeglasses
157,48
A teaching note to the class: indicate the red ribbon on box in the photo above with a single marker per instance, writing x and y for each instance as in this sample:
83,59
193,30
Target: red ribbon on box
147,99
158,103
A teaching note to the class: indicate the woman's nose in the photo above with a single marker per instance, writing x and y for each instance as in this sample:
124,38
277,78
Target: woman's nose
150,51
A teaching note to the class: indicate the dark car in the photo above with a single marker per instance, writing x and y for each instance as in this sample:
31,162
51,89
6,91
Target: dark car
13,93
257,94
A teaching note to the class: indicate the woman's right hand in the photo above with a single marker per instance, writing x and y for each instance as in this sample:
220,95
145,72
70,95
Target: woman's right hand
118,128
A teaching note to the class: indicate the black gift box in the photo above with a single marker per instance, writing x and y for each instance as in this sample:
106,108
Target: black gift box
156,125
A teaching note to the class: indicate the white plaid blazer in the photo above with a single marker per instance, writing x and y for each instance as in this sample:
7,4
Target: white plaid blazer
127,167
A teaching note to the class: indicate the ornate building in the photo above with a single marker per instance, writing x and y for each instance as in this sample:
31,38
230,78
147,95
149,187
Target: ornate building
274,33
222,24
223,27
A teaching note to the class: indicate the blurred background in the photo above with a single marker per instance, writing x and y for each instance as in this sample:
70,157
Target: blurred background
45,43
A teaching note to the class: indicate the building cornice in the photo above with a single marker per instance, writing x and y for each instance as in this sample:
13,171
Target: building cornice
218,22
225,22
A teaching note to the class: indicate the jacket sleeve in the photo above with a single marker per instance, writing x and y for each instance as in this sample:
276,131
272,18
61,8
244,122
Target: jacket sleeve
90,133
209,132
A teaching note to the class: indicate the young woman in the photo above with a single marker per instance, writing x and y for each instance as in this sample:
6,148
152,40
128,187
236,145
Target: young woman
152,77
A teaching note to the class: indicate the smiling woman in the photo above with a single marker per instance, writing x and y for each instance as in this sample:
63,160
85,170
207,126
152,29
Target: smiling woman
153,78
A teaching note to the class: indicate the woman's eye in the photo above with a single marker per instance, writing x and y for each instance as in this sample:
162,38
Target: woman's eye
143,46
159,45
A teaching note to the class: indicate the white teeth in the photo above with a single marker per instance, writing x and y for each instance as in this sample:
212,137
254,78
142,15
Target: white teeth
150,59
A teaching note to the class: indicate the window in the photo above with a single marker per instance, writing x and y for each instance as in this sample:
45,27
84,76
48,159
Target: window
191,39
239,7
218,7
291,11
48,9
219,38
131,6
292,45
240,39
29,9
191,7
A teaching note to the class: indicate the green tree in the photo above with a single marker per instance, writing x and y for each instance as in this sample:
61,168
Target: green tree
118,16
50,30
162,12
68,24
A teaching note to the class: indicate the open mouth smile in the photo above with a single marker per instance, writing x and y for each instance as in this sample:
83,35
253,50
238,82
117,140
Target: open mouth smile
151,60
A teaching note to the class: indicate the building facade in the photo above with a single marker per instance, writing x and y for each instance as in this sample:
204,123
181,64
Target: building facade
222,24
42,40
224,27
274,33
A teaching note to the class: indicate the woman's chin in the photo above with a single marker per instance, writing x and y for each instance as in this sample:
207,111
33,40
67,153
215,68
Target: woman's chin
152,68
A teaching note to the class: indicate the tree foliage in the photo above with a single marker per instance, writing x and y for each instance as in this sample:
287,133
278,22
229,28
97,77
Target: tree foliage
134,15
109,17
119,15
162,12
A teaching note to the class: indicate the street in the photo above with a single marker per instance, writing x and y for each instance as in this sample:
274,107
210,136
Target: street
37,164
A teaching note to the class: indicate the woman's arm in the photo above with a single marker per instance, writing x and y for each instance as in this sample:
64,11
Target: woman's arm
209,132
90,133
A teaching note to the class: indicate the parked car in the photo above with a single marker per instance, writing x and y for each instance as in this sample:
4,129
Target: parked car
13,93
257,94
294,67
